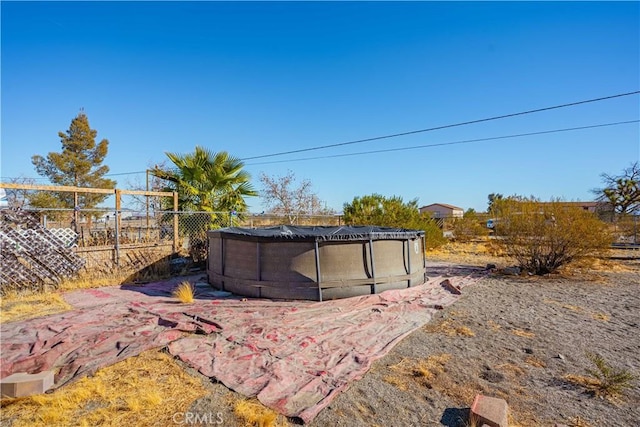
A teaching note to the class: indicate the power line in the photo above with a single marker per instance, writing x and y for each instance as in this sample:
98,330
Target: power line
440,144
395,135
125,173
415,147
410,133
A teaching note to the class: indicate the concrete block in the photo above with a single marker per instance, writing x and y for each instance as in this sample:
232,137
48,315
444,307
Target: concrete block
491,411
22,384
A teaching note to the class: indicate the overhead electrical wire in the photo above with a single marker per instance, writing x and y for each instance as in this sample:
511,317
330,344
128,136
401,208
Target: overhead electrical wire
440,144
413,132
504,116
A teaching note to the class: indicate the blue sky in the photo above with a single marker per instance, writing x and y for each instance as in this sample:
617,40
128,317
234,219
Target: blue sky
255,78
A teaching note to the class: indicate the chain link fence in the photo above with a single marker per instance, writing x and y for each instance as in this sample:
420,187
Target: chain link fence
96,228
626,229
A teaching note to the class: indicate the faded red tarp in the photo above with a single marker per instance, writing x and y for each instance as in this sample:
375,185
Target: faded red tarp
293,356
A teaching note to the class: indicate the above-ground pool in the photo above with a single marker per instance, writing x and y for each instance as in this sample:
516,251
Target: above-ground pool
315,263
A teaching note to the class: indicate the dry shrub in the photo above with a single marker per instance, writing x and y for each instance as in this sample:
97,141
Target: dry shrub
184,292
146,390
543,237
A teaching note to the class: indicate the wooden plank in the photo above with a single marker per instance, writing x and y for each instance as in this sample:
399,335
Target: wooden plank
61,188
71,189
148,193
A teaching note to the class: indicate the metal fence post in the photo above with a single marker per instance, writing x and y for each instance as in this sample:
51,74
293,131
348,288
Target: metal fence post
118,218
175,222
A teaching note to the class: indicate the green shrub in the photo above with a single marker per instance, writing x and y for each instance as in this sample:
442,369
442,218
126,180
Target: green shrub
378,210
610,381
469,227
543,236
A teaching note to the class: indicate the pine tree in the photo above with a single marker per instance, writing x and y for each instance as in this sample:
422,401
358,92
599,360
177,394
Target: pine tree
79,164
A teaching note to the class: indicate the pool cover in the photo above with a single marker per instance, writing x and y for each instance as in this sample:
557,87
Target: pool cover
319,233
295,357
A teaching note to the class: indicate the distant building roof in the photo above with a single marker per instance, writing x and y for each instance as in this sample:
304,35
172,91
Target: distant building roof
444,205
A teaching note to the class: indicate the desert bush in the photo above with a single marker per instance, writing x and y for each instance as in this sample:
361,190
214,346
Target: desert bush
468,227
544,236
383,211
610,381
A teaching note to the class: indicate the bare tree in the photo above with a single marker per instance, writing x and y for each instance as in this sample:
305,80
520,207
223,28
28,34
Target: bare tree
621,192
283,196
19,198
150,182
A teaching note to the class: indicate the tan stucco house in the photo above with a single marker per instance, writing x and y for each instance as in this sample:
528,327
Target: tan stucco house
443,210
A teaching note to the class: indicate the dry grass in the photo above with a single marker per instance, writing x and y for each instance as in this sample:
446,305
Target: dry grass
597,264
425,368
586,382
184,292
14,307
397,381
30,304
486,251
432,373
480,252
493,325
91,281
449,328
521,333
574,308
601,316
146,390
535,362
513,370
253,413
597,315
578,422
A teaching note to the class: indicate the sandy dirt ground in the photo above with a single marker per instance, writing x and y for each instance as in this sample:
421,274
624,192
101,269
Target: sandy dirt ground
522,338
519,338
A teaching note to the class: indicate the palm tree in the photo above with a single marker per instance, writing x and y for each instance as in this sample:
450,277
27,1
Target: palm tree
211,185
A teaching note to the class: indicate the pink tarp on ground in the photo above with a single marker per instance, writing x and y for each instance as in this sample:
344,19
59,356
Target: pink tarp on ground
294,356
